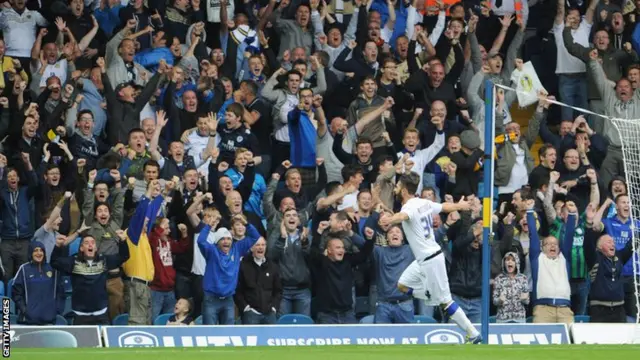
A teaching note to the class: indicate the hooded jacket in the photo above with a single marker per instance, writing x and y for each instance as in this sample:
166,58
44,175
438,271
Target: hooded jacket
292,254
513,307
38,291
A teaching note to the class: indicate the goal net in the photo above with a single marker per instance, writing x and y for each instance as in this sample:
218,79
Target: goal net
629,130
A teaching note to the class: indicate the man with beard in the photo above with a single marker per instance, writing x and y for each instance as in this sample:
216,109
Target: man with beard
17,219
89,272
105,221
426,277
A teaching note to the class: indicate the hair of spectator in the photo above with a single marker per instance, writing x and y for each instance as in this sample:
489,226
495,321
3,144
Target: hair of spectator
350,170
83,112
621,196
414,131
331,187
305,90
110,160
291,172
236,109
251,86
240,151
542,152
289,209
367,78
323,57
526,193
294,72
410,181
383,159
299,62
135,130
363,140
151,163
363,191
539,180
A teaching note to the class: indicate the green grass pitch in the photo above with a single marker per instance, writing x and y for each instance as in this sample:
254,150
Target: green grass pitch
405,352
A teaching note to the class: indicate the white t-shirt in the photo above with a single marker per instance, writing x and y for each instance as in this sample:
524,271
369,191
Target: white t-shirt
419,228
199,262
58,69
568,64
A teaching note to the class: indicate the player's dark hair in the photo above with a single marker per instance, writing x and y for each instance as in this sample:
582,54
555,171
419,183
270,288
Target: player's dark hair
349,171
410,181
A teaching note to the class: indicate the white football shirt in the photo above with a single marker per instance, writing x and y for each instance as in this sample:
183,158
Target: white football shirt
419,227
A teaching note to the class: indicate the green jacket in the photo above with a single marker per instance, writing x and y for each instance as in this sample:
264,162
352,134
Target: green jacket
507,154
105,236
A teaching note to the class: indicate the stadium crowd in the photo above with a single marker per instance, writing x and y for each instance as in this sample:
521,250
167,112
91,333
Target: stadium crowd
239,159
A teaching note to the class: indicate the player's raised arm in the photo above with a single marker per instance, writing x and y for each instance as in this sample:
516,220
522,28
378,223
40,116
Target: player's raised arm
397,218
462,205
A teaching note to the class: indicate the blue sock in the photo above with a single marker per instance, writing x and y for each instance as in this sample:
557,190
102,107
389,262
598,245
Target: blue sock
451,309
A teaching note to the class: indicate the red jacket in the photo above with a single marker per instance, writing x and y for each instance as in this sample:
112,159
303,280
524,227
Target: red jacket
164,277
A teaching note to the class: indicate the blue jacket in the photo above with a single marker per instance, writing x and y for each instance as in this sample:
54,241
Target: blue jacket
221,273
566,244
17,215
302,135
254,204
150,58
89,281
38,291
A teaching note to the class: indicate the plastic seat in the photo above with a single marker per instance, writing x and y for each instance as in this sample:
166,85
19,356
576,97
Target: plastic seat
61,321
369,319
295,319
423,319
582,318
122,319
198,320
492,319
67,304
1,289
162,319
13,319
530,319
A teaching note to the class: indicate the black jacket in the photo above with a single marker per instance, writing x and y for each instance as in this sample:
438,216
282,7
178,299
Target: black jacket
605,272
125,116
258,286
334,279
465,277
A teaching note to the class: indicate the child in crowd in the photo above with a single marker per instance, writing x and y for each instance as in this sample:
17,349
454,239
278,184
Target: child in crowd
511,291
181,314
